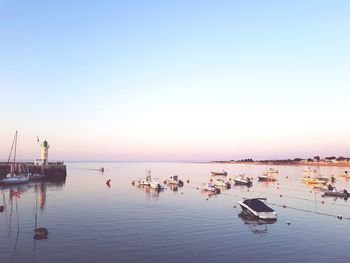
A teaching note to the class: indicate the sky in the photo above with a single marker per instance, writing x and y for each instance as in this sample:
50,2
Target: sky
175,80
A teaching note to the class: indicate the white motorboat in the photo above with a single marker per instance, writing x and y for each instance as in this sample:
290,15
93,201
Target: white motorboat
221,183
257,208
147,180
174,180
243,180
211,188
155,184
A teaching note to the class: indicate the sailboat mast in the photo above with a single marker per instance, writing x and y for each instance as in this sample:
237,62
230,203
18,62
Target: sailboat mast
14,156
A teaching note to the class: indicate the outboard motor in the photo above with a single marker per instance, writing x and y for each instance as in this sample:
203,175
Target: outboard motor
181,183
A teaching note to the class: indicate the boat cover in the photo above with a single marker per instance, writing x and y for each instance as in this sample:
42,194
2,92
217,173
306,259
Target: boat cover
257,205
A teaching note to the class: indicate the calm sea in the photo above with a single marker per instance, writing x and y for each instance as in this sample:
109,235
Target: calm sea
91,222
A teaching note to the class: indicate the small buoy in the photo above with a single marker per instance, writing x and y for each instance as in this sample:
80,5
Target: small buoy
310,192
133,182
182,193
280,195
211,180
284,206
207,199
197,188
286,177
2,208
278,187
164,182
244,197
288,222
322,202
340,217
40,233
188,181
234,206
229,179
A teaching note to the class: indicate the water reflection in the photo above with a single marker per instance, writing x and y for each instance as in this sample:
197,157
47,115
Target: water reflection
256,225
150,192
12,195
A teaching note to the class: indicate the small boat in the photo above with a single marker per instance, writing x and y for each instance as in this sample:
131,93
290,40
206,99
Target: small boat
155,184
242,180
257,208
332,191
267,178
314,180
221,183
223,173
322,179
146,180
211,188
15,179
270,171
174,180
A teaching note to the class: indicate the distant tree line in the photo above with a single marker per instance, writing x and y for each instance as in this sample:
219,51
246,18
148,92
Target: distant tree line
297,160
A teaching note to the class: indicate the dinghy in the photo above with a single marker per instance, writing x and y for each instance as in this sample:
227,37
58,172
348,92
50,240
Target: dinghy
223,173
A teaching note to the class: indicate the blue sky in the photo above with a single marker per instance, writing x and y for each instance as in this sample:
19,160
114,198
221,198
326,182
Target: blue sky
175,80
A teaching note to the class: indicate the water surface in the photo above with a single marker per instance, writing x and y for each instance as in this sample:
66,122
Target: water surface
91,222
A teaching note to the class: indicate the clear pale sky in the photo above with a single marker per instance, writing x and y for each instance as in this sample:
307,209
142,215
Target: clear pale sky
175,80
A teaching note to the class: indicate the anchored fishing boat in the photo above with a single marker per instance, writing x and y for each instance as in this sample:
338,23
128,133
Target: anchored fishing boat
211,188
223,173
267,178
174,180
221,183
147,179
257,208
155,184
242,180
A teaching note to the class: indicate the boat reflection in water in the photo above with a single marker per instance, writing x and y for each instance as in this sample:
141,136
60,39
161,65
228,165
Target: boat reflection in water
150,192
256,225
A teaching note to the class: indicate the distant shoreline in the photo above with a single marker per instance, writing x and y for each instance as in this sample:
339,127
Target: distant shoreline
325,164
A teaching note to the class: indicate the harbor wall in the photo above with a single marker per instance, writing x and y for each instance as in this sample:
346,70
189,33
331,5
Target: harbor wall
54,171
